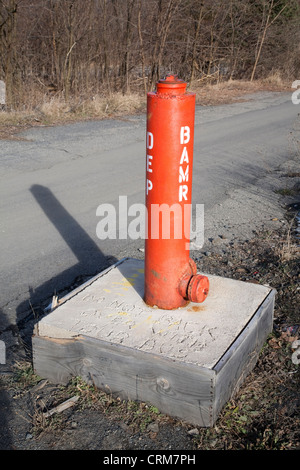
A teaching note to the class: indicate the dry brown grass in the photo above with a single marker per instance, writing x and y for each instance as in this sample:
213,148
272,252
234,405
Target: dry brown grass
52,110
99,107
226,92
39,108
288,248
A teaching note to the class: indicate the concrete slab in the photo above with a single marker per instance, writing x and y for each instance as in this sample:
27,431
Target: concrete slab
109,311
112,309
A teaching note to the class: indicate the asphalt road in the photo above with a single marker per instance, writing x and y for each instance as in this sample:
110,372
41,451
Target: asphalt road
53,180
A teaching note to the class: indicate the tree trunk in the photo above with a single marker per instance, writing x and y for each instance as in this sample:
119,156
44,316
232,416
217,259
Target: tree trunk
142,52
195,43
127,40
9,37
264,33
163,24
68,58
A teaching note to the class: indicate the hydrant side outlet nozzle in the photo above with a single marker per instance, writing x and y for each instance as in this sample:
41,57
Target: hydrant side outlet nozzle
171,278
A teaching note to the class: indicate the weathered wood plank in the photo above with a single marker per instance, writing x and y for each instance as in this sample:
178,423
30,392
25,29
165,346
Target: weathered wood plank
186,363
177,389
242,356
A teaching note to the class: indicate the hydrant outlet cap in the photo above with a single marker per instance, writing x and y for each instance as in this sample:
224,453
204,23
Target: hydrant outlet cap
198,288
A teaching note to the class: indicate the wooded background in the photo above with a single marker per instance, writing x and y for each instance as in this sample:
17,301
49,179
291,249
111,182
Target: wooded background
86,47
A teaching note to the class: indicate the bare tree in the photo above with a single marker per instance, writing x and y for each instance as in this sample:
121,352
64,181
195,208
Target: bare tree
8,13
195,41
165,13
141,42
79,48
267,21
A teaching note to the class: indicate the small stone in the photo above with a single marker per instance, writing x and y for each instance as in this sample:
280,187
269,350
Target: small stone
241,270
193,432
124,426
153,427
28,436
216,241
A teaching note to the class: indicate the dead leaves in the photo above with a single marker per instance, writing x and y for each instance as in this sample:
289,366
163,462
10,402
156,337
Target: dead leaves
289,335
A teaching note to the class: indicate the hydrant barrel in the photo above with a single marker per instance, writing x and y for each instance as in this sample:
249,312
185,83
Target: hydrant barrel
171,278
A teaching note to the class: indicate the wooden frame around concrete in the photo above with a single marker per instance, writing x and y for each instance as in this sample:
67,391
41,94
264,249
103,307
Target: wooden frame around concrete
182,390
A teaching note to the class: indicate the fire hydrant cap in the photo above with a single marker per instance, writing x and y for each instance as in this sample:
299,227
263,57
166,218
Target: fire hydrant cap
171,84
198,288
171,79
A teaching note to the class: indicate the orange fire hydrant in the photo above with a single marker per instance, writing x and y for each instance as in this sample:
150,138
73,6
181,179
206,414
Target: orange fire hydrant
171,278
